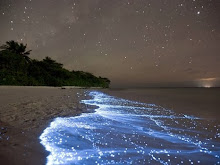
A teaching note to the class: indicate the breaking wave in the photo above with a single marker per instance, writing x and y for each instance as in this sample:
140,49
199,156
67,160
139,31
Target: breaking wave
128,132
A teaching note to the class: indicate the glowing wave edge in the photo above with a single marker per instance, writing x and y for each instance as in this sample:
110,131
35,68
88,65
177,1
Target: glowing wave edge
128,132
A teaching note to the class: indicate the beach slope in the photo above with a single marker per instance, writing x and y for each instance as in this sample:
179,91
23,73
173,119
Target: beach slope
25,112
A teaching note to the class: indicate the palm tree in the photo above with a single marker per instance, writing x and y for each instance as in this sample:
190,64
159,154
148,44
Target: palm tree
52,63
17,48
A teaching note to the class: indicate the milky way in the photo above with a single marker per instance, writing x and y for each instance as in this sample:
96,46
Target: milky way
132,42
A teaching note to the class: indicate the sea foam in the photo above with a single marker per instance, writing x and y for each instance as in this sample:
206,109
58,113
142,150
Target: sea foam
128,132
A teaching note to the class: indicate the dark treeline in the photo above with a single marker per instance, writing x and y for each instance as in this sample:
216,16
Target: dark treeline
16,68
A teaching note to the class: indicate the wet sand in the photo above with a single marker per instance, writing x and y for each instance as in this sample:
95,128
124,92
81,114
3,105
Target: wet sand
25,112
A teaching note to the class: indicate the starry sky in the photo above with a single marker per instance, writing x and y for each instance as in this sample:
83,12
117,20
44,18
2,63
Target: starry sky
135,43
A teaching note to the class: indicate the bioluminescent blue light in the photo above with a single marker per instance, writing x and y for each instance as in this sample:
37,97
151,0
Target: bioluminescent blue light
127,132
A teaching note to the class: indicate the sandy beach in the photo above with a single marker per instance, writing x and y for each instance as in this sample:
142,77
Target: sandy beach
25,112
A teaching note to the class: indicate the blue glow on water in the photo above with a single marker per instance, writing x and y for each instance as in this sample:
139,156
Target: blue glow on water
128,132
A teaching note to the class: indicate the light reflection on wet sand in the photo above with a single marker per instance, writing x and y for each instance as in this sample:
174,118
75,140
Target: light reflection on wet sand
128,132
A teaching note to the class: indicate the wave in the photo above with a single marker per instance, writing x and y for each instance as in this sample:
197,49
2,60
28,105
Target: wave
128,132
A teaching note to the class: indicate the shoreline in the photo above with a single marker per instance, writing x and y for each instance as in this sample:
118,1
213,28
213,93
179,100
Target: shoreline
135,127
25,112
199,102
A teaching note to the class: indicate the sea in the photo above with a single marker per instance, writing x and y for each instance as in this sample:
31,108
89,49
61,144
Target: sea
139,126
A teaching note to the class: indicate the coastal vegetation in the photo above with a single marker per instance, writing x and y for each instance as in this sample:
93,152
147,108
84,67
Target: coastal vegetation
17,68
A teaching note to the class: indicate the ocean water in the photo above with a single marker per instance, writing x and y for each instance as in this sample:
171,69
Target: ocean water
122,131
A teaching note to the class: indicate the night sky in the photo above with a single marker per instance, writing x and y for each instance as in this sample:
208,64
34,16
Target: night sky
132,42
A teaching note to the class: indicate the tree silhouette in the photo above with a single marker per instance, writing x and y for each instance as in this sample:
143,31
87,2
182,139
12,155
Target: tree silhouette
52,63
17,48
16,68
